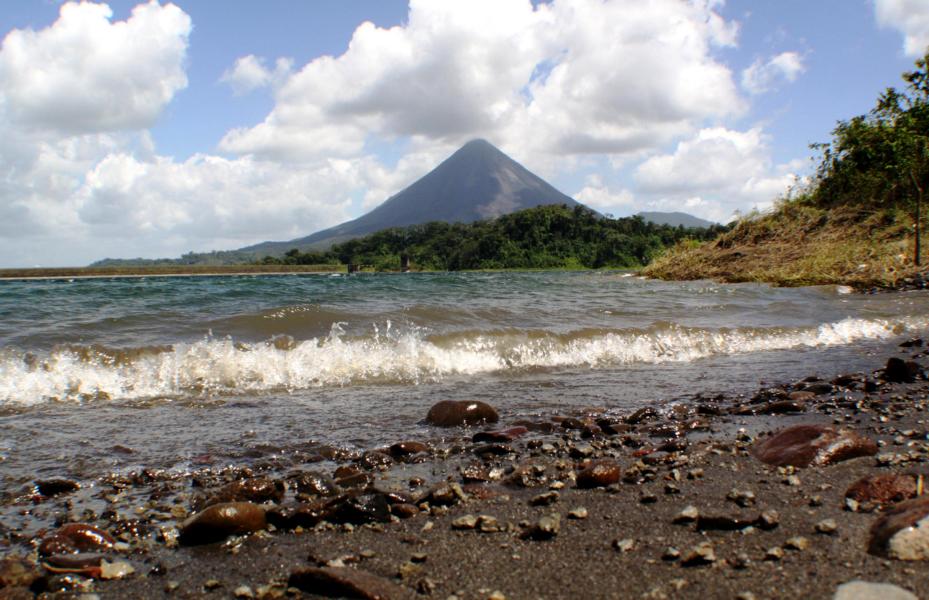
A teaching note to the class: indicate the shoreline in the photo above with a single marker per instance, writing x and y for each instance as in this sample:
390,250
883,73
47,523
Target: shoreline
617,546
142,272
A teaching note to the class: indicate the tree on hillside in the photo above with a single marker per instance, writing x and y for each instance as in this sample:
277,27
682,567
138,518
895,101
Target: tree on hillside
881,160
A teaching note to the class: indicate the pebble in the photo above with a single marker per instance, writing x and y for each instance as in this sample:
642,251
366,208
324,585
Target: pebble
624,545
545,528
545,499
243,591
56,487
865,590
743,498
671,554
688,515
408,448
797,543
76,537
219,521
578,513
451,413
818,445
898,370
600,473
465,522
826,527
775,553
701,554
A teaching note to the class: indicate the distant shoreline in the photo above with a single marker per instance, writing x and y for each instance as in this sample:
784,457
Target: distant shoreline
166,271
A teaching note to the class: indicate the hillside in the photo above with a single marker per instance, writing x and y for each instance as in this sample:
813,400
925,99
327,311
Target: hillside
544,237
859,220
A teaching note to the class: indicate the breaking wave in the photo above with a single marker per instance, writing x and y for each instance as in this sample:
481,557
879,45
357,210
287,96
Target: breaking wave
211,366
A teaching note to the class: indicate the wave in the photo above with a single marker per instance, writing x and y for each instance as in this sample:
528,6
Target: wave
410,356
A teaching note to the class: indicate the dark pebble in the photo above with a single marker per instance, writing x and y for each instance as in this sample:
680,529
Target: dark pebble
600,473
312,482
55,487
451,413
899,371
404,449
500,435
217,522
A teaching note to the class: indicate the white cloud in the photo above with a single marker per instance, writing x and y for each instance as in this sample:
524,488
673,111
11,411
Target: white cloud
569,77
249,73
724,170
911,18
602,198
764,76
84,74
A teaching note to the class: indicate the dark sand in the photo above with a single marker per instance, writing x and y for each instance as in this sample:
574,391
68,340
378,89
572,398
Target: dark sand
425,557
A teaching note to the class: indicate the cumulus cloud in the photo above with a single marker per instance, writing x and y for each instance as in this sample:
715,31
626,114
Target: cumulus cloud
250,73
85,74
763,76
718,172
911,18
567,77
600,197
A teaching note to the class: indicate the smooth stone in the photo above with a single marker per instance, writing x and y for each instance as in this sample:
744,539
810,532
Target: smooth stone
465,522
545,499
55,487
254,489
500,435
865,590
403,449
782,407
451,413
688,515
600,473
404,511
216,523
545,528
898,370
72,538
359,509
291,516
903,531
723,523
805,445
314,483
345,582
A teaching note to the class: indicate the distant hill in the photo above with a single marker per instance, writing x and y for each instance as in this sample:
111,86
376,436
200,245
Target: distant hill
675,219
476,182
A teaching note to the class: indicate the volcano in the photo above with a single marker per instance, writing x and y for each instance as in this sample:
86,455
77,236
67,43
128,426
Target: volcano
477,182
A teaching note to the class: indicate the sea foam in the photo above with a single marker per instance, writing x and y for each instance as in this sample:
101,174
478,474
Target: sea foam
223,366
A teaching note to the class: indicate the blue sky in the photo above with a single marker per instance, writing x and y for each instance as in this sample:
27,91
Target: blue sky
153,128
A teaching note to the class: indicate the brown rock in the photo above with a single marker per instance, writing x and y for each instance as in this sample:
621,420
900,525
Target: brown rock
817,445
339,582
883,489
802,396
500,435
600,473
254,489
54,487
312,482
217,522
451,413
898,370
76,537
291,516
903,531
403,449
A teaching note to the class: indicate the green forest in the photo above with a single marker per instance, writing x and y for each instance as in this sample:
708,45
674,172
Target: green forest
545,237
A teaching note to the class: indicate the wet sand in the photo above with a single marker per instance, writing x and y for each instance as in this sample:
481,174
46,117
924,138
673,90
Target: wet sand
619,546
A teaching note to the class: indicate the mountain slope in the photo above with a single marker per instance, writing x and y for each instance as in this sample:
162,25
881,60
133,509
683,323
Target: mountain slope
476,182
674,219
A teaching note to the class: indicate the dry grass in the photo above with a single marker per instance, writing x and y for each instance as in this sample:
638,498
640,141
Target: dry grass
166,271
799,244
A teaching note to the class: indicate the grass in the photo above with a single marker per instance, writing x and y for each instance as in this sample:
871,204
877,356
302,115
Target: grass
166,271
800,244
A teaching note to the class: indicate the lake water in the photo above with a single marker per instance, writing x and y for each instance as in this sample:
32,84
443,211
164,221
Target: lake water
109,375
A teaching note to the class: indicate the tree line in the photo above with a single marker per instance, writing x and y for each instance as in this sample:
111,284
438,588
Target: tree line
545,237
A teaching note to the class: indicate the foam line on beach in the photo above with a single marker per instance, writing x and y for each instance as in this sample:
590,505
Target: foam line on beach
389,356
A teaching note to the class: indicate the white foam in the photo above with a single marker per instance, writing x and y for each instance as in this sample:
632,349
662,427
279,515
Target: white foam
223,366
